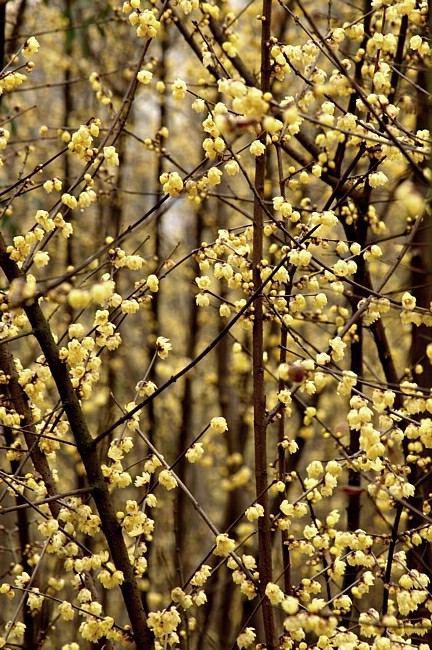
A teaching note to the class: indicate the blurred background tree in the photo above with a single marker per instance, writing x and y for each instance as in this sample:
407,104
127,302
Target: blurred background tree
215,348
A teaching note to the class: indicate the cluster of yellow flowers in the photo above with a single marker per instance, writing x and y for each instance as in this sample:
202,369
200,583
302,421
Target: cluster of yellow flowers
81,141
308,265
11,81
103,95
164,625
4,137
145,21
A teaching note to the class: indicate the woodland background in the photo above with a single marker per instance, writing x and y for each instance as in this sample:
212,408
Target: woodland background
215,344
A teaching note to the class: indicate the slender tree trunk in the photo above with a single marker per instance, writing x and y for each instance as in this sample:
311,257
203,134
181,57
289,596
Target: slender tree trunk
88,452
260,420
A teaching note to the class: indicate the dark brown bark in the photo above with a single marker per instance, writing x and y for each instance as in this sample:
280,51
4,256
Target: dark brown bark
259,400
88,453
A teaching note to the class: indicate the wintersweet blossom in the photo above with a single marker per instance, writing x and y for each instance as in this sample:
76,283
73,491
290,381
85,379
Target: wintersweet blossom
81,141
338,348
224,545
142,480
172,184
408,301
153,283
198,105
218,425
248,589
31,46
194,453
111,156
202,300
290,605
203,282
232,167
167,479
147,26
41,258
274,593
179,596
4,137
415,42
200,598
66,611
163,622
254,512
246,638
11,81
214,176
179,89
163,346
376,179
69,200
110,579
257,148
152,464
201,576
144,76
300,257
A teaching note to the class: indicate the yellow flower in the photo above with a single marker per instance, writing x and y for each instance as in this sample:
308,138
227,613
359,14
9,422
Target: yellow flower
111,156
66,611
408,301
148,25
163,346
224,545
376,179
31,46
232,167
246,638
41,258
290,605
214,176
338,347
218,425
201,576
144,76
200,598
254,512
415,42
224,310
257,148
202,300
167,479
164,622
179,89
172,184
203,282
69,200
274,593
153,283
195,452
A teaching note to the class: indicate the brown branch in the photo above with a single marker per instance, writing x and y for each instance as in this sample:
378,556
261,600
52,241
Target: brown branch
259,401
87,450
20,403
